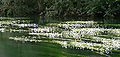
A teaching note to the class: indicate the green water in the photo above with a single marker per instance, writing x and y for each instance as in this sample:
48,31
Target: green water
17,38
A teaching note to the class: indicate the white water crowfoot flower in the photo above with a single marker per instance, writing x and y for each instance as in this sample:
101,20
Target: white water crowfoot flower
18,30
43,29
71,34
82,45
75,24
2,29
103,48
25,25
51,35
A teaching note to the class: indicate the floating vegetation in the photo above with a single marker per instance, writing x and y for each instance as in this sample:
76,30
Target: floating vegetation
15,18
84,22
2,29
74,25
86,35
112,25
25,25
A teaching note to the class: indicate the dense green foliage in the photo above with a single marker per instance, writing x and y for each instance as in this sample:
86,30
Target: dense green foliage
60,7
17,7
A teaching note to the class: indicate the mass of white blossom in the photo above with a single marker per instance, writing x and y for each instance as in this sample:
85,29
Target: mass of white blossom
83,35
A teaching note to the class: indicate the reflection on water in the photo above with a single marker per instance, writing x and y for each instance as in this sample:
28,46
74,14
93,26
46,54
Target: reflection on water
35,40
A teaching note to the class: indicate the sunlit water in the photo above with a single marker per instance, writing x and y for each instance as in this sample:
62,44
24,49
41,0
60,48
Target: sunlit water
26,37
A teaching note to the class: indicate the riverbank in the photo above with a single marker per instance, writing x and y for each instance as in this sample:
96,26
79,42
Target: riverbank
63,8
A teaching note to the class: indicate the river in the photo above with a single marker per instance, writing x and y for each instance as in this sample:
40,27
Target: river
34,37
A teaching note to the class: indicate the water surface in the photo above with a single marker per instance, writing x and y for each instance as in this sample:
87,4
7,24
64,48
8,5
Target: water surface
33,37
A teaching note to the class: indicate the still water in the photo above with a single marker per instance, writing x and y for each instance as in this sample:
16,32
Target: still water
34,37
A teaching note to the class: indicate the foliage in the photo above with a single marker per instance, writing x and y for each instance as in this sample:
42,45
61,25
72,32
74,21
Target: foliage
65,7
60,7
82,7
106,7
17,7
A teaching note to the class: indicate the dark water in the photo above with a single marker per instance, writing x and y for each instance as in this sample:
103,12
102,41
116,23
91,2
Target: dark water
20,48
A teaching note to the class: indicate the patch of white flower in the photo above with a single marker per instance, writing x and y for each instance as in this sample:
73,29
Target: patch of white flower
74,36
25,25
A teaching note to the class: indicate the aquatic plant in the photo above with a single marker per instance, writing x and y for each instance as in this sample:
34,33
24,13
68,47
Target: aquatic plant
68,34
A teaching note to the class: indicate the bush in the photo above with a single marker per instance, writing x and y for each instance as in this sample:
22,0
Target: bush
60,7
